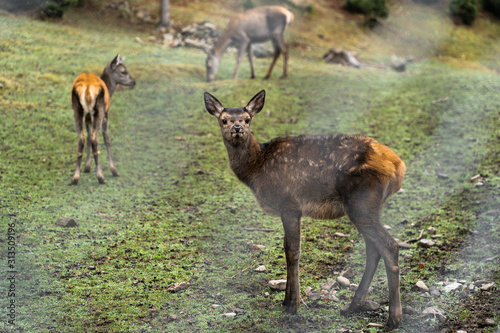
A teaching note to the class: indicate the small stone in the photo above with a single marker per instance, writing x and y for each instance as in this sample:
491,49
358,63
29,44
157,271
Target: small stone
426,243
431,230
314,295
434,312
339,234
214,306
328,284
66,222
370,305
331,297
404,245
461,331
420,284
347,272
261,268
375,325
434,291
229,314
487,286
178,287
255,247
441,175
277,284
353,287
489,322
343,281
476,177
452,287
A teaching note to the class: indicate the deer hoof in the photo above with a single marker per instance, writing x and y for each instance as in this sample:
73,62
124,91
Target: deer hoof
74,181
102,181
115,173
87,169
392,324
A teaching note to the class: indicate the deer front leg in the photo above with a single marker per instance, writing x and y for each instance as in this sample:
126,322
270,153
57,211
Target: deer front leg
291,224
107,143
241,51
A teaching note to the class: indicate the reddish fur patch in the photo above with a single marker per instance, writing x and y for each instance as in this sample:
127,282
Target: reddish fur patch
88,86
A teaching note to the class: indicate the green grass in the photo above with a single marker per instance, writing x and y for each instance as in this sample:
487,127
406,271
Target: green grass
176,213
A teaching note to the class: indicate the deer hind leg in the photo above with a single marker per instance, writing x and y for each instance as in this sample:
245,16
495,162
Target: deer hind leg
96,126
79,122
89,144
107,143
364,211
291,224
277,53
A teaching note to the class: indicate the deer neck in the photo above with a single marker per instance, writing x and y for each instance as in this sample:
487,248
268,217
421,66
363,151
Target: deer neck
245,159
110,84
222,44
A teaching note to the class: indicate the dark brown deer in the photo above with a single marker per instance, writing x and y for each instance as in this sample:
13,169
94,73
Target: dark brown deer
90,99
322,177
256,25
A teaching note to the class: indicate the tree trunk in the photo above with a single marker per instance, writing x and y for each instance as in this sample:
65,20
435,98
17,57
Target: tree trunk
164,14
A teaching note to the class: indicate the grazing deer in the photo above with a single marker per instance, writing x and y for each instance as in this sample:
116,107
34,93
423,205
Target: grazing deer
322,177
256,25
90,99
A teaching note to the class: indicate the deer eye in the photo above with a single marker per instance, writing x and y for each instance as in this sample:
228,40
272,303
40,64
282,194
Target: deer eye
224,121
247,121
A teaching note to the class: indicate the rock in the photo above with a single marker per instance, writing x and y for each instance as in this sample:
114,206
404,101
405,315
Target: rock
487,286
434,312
420,284
452,287
66,222
370,305
347,273
277,284
409,310
343,281
426,243
342,57
178,287
404,245
441,175
261,268
314,295
398,64
434,291
431,230
328,284
262,50
330,296
489,322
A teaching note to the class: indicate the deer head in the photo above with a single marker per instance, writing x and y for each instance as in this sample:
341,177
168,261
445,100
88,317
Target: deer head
118,72
235,122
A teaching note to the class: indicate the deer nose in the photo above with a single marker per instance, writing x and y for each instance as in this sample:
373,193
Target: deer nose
237,128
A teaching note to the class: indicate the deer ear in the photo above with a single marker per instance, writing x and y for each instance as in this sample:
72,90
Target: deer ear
213,106
115,62
256,103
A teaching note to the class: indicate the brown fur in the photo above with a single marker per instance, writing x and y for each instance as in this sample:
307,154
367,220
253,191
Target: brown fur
256,25
91,100
322,177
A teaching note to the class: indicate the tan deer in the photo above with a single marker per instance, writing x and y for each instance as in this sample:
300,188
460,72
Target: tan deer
90,99
322,177
256,25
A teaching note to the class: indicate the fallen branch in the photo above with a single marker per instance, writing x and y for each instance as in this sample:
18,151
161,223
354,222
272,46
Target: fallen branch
257,229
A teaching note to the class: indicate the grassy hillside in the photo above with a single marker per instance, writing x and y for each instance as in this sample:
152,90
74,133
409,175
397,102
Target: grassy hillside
177,213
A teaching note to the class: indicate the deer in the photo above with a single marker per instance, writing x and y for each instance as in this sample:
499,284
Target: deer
90,100
323,177
256,25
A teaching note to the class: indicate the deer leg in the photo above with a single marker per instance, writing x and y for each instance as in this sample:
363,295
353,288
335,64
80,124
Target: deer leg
107,143
89,144
364,208
291,224
241,51
96,125
372,259
275,57
250,60
81,143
